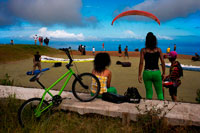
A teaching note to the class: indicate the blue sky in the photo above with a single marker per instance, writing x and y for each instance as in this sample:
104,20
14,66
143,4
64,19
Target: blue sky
90,20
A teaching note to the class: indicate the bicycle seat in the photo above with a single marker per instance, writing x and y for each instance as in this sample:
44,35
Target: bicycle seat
35,77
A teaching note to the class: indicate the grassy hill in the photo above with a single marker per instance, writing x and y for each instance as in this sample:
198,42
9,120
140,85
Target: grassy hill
21,51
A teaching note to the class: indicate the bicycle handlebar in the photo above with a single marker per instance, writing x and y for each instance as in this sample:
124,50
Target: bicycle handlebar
70,58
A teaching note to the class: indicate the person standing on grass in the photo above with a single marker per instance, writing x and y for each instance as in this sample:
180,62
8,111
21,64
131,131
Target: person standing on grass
151,74
37,62
101,63
126,52
41,40
46,41
35,39
11,42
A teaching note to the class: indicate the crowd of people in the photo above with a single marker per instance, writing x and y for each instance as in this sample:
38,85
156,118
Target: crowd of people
41,40
81,49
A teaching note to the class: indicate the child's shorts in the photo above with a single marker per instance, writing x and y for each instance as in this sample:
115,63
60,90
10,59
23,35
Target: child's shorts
173,91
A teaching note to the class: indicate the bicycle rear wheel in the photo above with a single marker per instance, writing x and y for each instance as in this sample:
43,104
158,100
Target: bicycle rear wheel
26,113
85,94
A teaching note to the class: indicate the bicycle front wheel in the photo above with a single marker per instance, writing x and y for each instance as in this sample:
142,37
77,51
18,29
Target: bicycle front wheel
26,113
82,87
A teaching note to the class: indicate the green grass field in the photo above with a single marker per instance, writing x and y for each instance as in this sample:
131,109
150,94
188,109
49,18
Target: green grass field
17,52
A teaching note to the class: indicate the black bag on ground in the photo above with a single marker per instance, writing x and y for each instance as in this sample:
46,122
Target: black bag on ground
126,64
118,62
132,95
114,98
58,64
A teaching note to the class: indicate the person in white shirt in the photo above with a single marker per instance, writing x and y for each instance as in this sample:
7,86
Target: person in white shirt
35,38
93,50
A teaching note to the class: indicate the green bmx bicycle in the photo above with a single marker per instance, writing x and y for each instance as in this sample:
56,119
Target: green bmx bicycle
34,109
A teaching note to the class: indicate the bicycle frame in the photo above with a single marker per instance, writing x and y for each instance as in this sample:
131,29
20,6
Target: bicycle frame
69,73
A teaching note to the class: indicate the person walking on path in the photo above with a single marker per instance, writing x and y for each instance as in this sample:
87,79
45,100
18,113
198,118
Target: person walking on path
151,74
36,62
126,52
120,50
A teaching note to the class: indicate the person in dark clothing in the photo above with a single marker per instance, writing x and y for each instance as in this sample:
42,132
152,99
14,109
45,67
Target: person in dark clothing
174,47
84,51
126,52
12,42
46,41
120,50
36,62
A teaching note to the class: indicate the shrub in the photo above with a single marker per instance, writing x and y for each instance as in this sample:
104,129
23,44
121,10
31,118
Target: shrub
6,80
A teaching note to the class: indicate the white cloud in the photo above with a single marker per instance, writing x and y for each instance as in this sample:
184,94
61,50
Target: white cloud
168,9
131,34
60,34
164,37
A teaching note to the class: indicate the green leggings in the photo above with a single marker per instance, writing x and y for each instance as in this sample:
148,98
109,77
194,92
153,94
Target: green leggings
153,77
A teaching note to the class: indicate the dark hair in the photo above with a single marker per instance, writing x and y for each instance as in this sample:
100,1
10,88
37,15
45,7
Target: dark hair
101,61
172,59
151,41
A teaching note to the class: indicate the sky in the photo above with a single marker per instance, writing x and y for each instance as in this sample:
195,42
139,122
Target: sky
90,20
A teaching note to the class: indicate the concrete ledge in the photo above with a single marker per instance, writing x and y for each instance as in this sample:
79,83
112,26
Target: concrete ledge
175,113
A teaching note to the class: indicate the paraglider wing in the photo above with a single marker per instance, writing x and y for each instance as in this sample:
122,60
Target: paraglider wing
137,12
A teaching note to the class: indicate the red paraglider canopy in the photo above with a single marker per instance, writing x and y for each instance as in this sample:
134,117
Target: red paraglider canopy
137,12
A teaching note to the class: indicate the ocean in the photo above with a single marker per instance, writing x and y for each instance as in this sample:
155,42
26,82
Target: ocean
181,47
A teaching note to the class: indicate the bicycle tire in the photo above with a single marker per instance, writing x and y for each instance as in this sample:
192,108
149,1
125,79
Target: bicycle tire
86,79
25,118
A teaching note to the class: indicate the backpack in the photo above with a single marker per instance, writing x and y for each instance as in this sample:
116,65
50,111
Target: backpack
118,62
132,95
126,64
180,69
114,98
58,64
